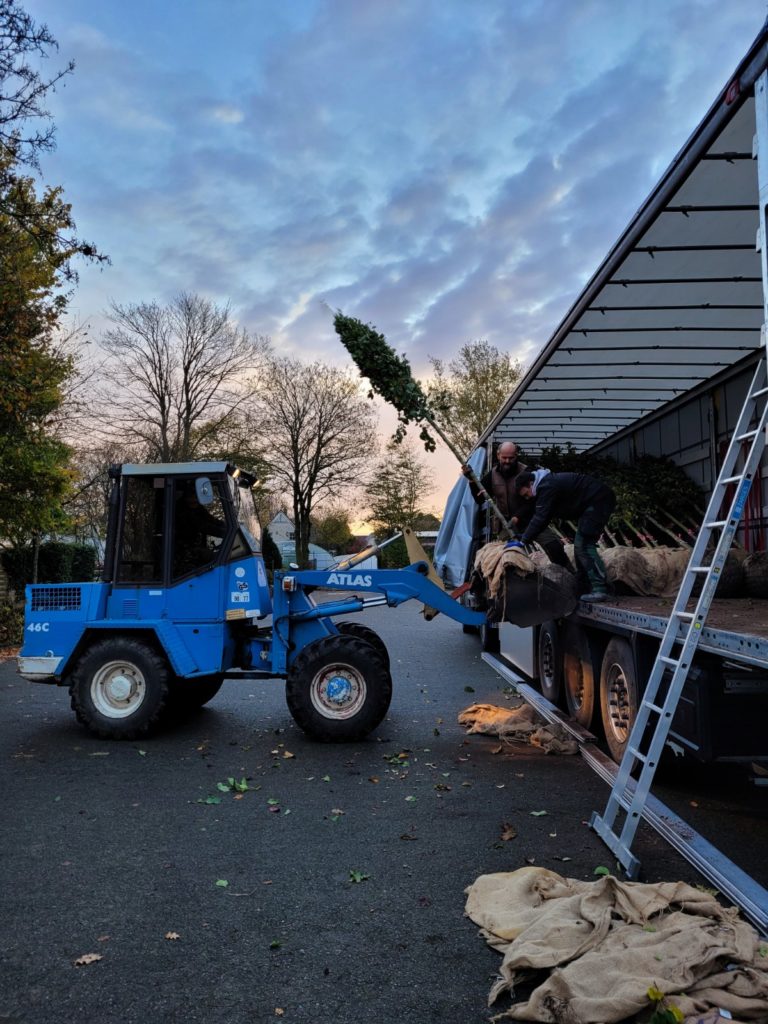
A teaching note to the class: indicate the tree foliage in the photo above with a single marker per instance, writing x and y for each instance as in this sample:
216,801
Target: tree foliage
650,488
331,530
470,389
321,436
178,375
388,374
37,248
35,371
26,131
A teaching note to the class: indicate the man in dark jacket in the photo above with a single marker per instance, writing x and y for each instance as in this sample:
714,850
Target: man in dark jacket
499,483
571,496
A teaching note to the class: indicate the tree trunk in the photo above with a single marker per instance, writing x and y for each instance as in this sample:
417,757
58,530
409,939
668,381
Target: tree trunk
35,555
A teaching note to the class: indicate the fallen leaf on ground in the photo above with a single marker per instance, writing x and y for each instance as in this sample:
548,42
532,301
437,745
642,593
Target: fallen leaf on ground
408,837
336,810
222,883
103,938
287,754
538,814
507,831
373,778
279,1011
172,936
87,958
497,750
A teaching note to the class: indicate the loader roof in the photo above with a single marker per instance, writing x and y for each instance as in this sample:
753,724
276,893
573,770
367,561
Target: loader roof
677,300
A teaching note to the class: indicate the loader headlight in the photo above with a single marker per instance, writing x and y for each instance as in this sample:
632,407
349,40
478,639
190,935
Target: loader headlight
289,584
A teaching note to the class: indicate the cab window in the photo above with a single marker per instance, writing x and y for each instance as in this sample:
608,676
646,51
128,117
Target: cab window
141,547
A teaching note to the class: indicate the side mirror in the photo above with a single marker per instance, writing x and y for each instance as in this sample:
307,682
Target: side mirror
204,490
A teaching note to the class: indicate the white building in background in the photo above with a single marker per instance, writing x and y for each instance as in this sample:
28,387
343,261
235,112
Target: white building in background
281,529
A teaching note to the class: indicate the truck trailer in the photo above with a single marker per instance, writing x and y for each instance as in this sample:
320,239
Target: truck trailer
655,357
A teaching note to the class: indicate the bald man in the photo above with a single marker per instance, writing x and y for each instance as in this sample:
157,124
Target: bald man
499,483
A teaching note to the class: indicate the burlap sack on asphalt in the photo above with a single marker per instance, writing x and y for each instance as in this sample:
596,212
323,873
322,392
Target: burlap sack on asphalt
604,943
521,723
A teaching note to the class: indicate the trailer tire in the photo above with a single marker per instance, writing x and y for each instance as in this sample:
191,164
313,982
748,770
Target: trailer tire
550,662
578,676
618,695
119,688
338,689
363,632
191,694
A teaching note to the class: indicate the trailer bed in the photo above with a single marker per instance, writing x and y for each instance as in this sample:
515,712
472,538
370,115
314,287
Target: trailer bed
735,627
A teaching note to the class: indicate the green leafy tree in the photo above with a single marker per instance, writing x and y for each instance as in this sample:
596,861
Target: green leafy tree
395,497
38,248
35,371
469,389
321,436
331,530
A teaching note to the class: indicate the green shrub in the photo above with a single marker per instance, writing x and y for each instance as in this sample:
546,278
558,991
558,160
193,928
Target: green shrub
57,562
11,625
83,563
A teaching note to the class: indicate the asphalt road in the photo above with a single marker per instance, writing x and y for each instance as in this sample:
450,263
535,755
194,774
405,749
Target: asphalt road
345,866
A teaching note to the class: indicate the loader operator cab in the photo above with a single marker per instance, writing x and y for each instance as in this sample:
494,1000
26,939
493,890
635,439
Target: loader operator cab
171,521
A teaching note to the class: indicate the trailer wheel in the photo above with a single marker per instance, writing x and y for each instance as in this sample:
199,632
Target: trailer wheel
192,694
338,689
550,662
618,695
578,676
119,688
363,632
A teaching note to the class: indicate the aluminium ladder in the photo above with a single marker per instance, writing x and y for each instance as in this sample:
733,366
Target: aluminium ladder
681,636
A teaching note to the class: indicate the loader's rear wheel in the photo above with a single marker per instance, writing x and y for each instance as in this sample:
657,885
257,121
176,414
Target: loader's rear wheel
363,632
338,689
119,688
191,694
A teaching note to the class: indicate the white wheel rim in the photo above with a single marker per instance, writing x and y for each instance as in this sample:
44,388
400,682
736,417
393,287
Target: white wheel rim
117,689
338,691
618,703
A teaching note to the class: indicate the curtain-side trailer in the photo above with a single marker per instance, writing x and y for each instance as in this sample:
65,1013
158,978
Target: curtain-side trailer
655,357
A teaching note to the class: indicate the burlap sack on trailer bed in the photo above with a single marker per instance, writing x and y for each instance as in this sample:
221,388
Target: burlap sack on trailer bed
521,589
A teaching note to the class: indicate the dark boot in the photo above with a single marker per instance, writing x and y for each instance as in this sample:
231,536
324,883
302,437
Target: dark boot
590,562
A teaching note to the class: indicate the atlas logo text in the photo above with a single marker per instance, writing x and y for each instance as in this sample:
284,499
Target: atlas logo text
346,579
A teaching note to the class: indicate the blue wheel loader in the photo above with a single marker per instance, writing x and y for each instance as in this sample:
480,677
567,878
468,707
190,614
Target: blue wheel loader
184,602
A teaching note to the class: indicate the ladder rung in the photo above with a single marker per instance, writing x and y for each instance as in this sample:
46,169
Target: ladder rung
756,394
731,479
653,707
716,522
700,568
636,753
669,661
747,436
684,615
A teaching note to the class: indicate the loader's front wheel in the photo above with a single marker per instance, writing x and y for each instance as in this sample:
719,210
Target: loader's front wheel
119,688
363,632
338,689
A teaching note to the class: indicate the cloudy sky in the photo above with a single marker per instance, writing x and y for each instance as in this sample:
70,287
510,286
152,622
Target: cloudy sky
447,169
